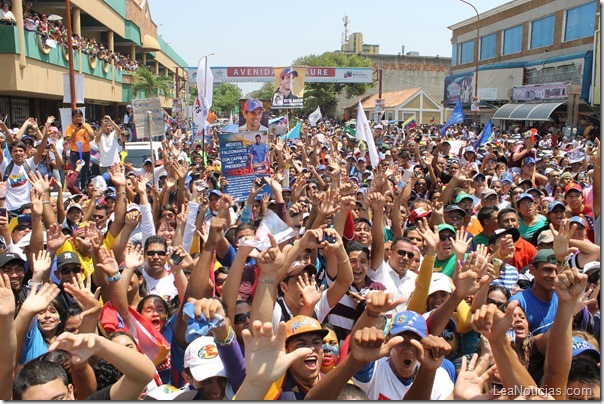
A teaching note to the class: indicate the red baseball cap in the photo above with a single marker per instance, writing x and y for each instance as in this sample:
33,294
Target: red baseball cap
573,186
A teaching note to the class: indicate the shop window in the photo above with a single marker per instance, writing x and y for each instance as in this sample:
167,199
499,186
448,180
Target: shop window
487,47
542,32
580,21
467,52
512,40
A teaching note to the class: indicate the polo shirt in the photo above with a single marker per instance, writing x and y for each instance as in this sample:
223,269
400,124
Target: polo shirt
524,254
398,286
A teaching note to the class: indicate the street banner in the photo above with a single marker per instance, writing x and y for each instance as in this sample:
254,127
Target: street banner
253,115
458,88
244,156
141,109
266,74
289,87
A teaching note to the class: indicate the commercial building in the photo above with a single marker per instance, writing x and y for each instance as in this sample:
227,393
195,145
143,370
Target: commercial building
530,61
33,68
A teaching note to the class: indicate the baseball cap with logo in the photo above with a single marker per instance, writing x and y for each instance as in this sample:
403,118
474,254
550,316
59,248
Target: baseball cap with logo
67,257
417,214
545,255
580,346
525,195
579,220
507,177
573,186
297,267
409,321
440,282
528,160
288,70
553,205
252,105
8,257
303,325
202,360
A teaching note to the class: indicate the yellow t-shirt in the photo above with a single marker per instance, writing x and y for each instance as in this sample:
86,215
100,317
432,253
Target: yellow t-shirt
86,262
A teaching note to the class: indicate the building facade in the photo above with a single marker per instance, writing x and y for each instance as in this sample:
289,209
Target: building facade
34,68
528,60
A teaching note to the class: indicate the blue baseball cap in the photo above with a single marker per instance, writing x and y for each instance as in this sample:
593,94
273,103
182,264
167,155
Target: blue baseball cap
215,192
525,195
409,321
579,220
580,346
470,149
252,105
321,167
528,160
553,205
507,176
288,70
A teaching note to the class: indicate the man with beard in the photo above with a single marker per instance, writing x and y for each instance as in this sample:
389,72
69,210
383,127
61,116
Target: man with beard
303,373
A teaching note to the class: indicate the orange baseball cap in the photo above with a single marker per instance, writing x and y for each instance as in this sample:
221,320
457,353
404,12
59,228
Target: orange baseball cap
303,325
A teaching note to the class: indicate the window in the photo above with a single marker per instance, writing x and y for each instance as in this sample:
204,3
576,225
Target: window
512,40
467,52
487,47
542,32
580,21
454,55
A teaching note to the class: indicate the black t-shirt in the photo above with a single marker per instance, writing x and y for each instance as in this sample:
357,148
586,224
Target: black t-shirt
103,394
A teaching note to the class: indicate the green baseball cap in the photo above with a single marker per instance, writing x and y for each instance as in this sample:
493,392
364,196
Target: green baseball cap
462,196
444,226
545,255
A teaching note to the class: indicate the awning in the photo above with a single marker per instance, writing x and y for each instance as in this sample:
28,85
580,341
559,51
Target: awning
150,43
527,112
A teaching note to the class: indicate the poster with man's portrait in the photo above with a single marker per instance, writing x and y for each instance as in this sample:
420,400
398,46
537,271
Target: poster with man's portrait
253,115
289,87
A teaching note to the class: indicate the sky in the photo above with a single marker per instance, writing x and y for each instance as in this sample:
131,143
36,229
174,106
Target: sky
274,33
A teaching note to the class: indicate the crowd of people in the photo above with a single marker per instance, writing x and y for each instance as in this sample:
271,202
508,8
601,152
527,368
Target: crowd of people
446,269
56,32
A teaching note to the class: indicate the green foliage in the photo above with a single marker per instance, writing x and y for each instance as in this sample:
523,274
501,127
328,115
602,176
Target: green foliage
264,93
225,98
326,95
151,84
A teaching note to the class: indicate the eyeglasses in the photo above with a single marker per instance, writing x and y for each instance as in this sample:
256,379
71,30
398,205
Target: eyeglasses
444,237
151,253
495,302
70,269
402,253
220,281
98,217
240,318
22,227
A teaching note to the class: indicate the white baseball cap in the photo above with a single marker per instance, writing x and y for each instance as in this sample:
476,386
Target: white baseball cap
201,357
440,282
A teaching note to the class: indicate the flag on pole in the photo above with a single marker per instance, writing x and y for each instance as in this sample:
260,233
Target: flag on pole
486,136
456,117
205,81
433,119
363,132
315,117
294,133
410,123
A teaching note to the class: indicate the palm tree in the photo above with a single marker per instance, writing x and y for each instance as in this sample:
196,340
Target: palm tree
151,84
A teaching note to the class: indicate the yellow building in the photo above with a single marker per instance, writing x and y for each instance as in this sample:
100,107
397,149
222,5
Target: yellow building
32,71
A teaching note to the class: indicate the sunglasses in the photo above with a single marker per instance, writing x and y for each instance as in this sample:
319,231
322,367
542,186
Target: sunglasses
402,253
98,217
69,270
443,237
151,253
22,227
240,318
220,281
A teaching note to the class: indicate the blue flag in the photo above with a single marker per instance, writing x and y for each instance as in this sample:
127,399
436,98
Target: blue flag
456,117
294,133
486,136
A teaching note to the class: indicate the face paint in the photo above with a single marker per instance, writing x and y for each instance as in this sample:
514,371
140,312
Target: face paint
331,355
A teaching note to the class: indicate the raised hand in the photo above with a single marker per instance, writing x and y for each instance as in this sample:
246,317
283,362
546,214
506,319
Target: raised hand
562,238
133,256
308,290
80,346
369,344
472,378
270,259
431,351
377,201
39,299
40,183
461,242
468,279
133,218
491,322
431,237
7,298
378,302
187,261
107,262
570,284
116,172
265,357
337,240
80,290
41,264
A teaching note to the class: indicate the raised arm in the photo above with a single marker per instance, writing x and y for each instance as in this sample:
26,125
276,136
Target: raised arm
8,352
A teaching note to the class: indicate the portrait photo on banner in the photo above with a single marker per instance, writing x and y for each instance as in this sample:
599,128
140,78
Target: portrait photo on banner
253,115
289,87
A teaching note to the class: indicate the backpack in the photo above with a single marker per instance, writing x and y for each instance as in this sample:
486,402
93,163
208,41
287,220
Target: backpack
9,169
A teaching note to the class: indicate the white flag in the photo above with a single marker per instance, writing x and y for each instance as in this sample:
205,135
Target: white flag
363,132
315,116
205,82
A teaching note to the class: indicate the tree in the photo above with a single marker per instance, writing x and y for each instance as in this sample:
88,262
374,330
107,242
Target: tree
264,93
151,84
326,95
225,98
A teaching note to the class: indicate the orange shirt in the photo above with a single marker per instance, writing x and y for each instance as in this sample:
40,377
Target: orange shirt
74,135
474,227
524,254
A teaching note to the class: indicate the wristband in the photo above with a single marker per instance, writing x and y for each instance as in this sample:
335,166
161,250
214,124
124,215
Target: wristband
266,280
229,339
114,278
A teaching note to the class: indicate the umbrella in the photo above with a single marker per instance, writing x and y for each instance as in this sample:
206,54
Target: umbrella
54,17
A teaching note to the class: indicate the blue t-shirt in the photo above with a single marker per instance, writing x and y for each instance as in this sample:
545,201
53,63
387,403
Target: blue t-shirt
34,344
540,314
258,152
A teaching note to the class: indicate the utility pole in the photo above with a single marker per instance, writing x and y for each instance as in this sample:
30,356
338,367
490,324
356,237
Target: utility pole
72,91
475,98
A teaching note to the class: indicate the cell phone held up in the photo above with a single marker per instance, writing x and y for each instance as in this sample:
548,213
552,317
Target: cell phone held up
3,212
177,259
328,238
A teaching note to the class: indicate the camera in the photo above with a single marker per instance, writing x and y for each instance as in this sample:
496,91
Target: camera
177,259
328,238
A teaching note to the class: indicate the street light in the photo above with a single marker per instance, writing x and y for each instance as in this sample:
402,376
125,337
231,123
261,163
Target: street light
477,57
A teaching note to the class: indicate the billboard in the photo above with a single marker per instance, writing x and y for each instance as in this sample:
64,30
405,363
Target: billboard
253,115
265,74
289,87
458,88
540,92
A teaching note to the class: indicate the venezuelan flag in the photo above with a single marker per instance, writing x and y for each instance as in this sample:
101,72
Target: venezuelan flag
410,123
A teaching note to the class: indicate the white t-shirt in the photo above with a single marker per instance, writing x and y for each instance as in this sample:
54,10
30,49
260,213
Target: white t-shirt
18,188
399,287
109,150
163,287
321,310
382,384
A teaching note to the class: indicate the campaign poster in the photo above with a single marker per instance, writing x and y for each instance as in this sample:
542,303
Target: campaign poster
253,115
289,87
244,157
458,88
